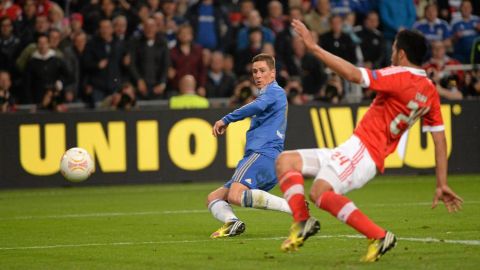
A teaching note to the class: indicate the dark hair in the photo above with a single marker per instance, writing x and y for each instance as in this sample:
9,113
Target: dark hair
246,1
413,44
464,1
254,29
292,8
270,60
371,12
334,16
53,29
5,18
431,4
41,35
4,71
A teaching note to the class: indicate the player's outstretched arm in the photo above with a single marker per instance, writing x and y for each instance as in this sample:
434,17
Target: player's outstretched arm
340,66
443,192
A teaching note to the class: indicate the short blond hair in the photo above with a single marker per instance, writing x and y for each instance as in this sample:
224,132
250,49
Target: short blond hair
270,60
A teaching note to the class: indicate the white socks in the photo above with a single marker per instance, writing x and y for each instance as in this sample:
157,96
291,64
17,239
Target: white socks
222,211
254,198
263,200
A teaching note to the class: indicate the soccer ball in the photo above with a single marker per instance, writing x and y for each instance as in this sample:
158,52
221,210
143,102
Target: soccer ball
76,164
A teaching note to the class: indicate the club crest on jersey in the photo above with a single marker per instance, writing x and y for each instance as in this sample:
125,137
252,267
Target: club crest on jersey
249,181
374,74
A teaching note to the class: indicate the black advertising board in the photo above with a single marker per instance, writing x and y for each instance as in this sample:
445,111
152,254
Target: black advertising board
178,146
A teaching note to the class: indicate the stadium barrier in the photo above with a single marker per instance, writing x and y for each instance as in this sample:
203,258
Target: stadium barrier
158,146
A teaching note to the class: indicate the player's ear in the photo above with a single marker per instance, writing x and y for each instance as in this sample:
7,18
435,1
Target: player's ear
402,54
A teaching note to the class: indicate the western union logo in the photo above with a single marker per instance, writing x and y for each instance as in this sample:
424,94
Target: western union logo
41,145
333,126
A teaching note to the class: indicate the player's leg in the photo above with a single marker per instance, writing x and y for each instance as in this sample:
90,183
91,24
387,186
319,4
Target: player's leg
253,184
222,211
290,167
341,207
289,170
260,199
255,198
344,209
219,204
349,167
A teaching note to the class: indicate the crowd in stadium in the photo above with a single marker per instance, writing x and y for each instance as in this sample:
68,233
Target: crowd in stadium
112,53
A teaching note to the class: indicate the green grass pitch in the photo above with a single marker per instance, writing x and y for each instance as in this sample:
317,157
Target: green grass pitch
168,227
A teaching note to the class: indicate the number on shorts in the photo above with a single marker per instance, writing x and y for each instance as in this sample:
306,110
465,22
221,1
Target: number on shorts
343,159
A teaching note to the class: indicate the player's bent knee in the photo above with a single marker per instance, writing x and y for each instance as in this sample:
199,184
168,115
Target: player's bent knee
218,194
318,188
234,198
235,193
211,197
287,161
314,195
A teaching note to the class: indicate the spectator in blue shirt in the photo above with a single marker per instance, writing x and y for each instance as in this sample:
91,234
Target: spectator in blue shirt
341,7
465,30
172,21
432,27
209,23
254,21
344,7
395,15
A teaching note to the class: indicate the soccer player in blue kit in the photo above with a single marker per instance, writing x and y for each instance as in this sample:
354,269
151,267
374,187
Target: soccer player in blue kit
255,173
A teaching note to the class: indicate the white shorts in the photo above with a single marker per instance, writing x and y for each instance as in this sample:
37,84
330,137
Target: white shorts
346,167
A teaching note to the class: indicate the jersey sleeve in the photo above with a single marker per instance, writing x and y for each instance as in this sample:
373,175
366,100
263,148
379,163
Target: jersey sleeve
381,80
432,121
260,104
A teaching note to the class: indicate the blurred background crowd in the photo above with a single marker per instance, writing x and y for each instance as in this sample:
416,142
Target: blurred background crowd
117,54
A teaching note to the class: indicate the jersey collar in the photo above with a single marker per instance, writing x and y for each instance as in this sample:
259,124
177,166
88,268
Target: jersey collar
416,71
264,89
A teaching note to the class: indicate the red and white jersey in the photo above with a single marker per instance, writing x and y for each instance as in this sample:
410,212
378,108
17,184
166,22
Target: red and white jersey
404,95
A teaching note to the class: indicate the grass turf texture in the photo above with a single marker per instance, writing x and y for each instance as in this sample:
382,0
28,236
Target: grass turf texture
168,227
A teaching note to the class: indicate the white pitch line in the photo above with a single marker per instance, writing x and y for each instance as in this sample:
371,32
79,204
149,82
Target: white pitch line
410,204
426,240
411,239
114,214
173,212
90,191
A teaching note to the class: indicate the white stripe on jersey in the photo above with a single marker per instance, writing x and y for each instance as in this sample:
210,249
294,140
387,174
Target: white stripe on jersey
433,128
366,80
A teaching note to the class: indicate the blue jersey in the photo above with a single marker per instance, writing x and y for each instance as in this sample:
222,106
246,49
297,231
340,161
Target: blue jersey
341,7
269,121
439,30
466,32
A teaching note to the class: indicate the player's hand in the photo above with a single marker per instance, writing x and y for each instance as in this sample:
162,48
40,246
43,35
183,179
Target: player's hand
219,128
452,201
304,33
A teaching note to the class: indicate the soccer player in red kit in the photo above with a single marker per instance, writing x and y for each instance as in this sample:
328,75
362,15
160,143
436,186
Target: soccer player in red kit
404,94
